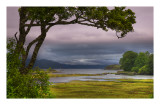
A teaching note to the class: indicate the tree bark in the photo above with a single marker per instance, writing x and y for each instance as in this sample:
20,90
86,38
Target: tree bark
37,47
22,36
19,50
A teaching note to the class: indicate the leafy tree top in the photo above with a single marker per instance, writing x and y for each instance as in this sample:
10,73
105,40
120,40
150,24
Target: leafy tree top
118,19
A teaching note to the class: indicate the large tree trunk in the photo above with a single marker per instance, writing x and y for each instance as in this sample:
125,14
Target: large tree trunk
19,50
23,31
37,47
35,52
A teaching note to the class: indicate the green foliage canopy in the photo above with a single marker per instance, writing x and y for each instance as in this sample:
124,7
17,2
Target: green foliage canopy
118,19
128,60
150,64
141,63
141,60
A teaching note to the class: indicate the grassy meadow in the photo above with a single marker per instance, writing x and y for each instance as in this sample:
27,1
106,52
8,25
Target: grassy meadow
124,88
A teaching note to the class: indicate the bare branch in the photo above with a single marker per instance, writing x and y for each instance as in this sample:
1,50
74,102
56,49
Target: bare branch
89,24
118,36
35,52
56,23
60,23
16,36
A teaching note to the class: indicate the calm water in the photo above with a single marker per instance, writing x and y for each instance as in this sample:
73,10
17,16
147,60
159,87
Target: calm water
111,77
84,71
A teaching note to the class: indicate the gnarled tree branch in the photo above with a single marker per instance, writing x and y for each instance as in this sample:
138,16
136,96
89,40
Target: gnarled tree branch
119,36
16,36
30,45
29,27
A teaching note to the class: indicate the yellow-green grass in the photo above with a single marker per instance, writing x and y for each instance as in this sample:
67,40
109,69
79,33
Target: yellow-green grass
46,71
125,88
125,73
71,75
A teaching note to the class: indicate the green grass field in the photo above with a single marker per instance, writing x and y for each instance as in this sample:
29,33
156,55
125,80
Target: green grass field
124,88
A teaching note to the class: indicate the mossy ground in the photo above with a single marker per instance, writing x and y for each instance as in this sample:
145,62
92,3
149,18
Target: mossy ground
125,88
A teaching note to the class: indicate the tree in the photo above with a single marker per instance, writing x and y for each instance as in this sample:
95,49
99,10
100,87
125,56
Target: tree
141,59
141,63
143,70
118,19
144,63
128,59
150,64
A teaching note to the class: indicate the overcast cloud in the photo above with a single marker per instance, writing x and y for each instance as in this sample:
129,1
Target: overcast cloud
77,44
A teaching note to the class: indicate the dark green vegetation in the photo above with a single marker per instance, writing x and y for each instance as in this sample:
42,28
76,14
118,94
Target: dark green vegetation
32,85
126,88
118,19
140,63
128,60
113,67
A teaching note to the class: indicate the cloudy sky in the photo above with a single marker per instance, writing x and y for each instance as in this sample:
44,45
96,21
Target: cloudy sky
77,44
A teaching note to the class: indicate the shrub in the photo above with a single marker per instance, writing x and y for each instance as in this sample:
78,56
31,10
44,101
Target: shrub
28,86
31,85
135,69
143,70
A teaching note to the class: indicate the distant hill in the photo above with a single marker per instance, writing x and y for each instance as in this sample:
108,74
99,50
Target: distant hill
45,64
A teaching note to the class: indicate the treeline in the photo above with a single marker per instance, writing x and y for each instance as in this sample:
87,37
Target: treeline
113,67
140,63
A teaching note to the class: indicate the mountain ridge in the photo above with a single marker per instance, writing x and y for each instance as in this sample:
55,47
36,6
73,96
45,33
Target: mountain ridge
45,64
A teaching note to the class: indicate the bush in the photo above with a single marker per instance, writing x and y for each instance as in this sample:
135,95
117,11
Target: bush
31,85
28,86
135,69
143,70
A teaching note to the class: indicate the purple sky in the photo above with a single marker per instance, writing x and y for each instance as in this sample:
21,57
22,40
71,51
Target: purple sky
77,44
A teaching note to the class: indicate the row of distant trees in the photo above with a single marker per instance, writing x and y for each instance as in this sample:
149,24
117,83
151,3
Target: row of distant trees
141,63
